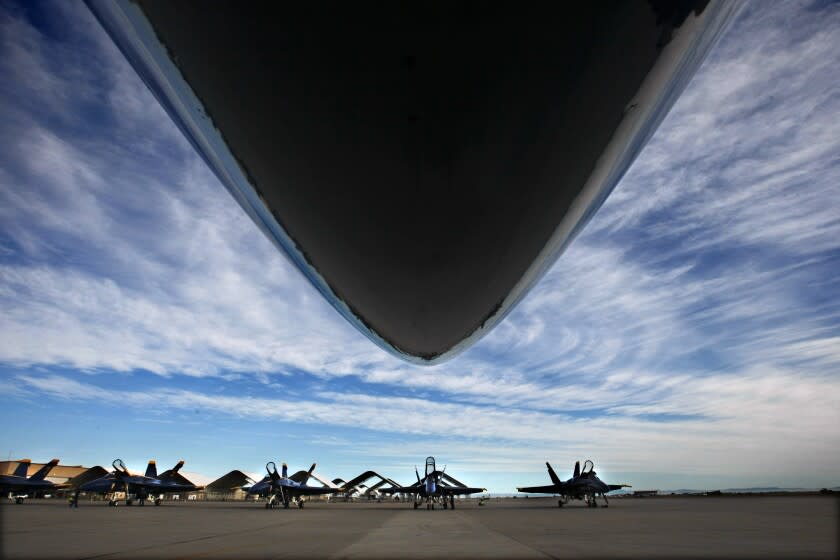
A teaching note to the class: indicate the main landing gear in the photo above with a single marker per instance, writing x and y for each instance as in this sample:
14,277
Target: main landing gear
275,501
591,501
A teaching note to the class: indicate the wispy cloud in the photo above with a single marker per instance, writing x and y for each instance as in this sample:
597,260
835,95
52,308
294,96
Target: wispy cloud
734,418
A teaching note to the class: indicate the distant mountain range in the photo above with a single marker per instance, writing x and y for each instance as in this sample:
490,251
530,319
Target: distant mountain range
755,490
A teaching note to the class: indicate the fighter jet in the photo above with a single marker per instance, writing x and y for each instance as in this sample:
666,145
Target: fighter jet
584,485
280,488
141,486
436,487
20,486
422,173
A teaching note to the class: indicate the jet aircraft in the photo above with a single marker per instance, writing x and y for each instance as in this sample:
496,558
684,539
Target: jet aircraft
21,486
423,174
141,486
435,487
280,488
584,485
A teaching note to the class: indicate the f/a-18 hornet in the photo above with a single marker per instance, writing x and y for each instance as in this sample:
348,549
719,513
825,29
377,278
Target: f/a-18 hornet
142,487
280,488
17,483
435,487
584,485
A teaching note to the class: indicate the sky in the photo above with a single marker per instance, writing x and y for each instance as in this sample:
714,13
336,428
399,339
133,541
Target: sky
689,338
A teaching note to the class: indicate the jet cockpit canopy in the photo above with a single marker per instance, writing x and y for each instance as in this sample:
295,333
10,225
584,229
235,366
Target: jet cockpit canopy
430,465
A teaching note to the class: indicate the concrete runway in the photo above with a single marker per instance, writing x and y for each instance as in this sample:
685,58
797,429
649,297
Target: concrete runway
672,527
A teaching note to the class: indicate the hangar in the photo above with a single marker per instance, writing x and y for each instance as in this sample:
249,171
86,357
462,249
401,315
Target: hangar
230,486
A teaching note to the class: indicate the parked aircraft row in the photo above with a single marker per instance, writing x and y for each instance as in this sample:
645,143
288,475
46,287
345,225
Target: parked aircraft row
278,488
18,486
144,486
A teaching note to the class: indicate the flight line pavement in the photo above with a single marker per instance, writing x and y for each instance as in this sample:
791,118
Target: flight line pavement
665,527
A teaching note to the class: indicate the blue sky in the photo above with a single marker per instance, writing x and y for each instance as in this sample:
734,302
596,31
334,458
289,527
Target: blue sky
689,338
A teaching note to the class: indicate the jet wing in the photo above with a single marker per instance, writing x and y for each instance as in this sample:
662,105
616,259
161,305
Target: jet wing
102,484
459,490
550,489
260,487
315,490
395,490
411,489
514,123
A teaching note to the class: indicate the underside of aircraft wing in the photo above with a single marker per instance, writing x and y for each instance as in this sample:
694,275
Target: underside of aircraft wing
422,173
397,489
460,490
550,489
315,490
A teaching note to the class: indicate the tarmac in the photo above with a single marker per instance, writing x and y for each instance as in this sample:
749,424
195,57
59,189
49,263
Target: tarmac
665,527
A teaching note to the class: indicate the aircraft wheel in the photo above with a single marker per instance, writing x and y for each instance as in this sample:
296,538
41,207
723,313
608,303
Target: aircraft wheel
129,502
559,503
18,500
300,504
157,501
416,505
286,505
445,505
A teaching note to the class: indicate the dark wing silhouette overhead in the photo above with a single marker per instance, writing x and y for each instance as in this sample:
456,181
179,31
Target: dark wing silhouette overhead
423,164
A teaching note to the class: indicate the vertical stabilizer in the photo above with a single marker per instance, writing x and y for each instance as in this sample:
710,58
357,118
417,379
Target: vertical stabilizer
577,469
554,478
22,468
178,466
285,471
308,474
151,469
44,471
